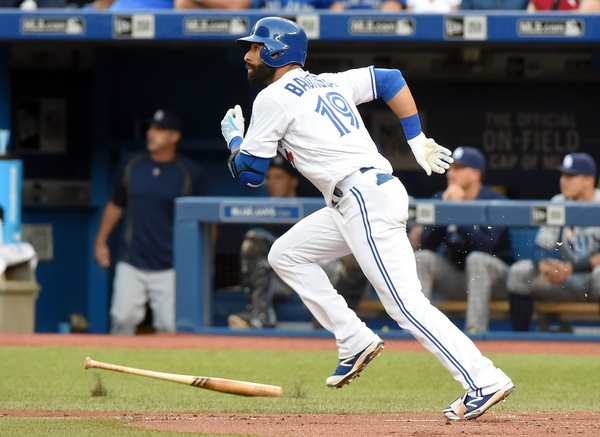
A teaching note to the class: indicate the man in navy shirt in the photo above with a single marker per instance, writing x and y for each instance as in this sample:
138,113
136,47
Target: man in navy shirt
468,261
144,192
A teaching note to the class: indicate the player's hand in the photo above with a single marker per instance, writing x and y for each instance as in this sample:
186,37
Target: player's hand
454,192
555,271
431,156
102,255
232,124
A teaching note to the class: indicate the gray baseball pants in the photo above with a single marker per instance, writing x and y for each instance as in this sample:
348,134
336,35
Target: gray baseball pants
132,289
483,279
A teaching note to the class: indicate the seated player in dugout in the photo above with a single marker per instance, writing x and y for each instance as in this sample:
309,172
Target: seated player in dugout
469,261
565,265
261,285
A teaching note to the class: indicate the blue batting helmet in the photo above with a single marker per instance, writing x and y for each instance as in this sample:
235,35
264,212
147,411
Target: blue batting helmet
284,41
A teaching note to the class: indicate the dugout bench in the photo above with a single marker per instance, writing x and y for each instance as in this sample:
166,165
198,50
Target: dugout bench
547,315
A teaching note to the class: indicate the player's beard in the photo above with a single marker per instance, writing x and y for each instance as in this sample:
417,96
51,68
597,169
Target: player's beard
260,74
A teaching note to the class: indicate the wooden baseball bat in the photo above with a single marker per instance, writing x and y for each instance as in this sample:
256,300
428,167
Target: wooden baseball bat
242,388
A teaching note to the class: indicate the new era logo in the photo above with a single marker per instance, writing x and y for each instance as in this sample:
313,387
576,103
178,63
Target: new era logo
470,27
134,26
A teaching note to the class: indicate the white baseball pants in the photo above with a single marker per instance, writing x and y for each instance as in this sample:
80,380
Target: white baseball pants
370,221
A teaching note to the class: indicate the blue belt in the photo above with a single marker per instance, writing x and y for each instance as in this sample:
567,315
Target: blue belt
338,192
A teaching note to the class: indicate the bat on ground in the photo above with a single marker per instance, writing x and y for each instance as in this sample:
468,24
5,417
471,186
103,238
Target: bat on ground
232,386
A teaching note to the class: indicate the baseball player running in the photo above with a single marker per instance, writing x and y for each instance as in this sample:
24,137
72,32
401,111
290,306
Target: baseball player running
313,121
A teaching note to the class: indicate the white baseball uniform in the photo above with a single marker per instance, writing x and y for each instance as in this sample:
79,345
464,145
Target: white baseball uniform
314,122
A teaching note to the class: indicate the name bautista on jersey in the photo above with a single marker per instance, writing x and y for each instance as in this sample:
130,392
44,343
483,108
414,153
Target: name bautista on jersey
301,84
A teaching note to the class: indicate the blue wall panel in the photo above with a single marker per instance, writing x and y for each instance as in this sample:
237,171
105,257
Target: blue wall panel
200,75
64,279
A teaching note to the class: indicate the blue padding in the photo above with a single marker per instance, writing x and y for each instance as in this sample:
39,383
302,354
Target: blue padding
388,83
250,170
251,179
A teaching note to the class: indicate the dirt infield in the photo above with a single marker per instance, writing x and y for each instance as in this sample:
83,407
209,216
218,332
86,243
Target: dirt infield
193,341
326,425
306,425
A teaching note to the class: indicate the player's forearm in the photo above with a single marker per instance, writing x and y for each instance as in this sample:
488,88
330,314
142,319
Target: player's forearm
392,88
403,104
111,216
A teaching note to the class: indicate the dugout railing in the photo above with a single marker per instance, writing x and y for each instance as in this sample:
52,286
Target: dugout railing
194,242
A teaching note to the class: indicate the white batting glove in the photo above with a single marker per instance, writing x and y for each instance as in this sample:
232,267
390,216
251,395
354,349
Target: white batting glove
232,124
430,155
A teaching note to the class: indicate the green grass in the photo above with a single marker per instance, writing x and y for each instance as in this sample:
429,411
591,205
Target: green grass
53,378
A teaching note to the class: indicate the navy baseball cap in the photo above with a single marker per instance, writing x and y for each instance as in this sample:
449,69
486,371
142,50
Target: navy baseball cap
469,157
578,163
165,119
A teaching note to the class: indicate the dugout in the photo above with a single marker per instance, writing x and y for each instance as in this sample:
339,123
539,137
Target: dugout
76,88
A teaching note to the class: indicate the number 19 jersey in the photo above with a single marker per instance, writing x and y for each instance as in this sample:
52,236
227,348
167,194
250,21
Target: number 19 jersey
313,121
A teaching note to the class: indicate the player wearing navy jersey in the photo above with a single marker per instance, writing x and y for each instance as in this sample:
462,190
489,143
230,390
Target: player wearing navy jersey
313,121
143,199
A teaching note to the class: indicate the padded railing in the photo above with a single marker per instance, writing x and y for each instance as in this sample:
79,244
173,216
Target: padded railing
194,217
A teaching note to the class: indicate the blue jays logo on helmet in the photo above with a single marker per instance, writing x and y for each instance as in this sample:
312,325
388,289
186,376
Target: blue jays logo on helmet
284,41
